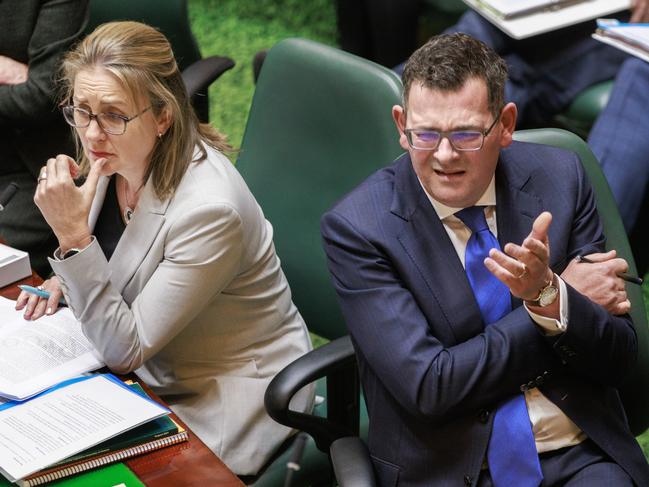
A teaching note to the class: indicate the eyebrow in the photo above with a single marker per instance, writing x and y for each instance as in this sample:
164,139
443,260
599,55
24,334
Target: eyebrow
110,102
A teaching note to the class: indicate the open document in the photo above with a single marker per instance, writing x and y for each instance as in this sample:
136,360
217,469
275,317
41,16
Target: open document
66,420
35,355
631,38
521,19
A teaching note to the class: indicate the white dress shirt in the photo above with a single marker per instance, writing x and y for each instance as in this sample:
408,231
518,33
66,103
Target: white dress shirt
551,427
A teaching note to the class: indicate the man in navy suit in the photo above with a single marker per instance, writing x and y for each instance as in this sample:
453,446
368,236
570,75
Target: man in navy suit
404,262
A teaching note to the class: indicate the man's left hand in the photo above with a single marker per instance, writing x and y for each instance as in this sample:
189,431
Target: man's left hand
524,269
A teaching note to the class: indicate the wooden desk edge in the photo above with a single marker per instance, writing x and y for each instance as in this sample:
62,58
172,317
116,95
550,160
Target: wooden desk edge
185,464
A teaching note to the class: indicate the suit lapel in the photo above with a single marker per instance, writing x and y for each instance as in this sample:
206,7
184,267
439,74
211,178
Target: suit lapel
426,242
137,238
516,208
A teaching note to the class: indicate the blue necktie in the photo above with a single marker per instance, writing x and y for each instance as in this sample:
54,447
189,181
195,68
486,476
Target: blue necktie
511,453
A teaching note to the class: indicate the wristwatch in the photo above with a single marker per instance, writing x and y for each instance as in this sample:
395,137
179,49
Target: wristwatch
547,295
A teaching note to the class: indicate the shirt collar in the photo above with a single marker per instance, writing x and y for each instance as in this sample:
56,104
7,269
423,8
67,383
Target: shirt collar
488,198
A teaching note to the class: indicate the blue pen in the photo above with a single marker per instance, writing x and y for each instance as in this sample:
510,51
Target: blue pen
39,292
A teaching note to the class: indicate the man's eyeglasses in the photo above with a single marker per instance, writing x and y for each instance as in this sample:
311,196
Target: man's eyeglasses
111,123
461,140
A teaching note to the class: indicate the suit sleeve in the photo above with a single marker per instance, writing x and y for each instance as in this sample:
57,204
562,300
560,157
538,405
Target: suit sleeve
202,255
59,24
598,346
394,339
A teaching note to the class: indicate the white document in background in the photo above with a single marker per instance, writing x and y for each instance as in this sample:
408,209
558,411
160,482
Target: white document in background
35,355
548,20
513,7
57,424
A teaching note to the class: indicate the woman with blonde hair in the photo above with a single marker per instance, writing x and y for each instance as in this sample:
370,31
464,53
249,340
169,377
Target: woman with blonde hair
164,255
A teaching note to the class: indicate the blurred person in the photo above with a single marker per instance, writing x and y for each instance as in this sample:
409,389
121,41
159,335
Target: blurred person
164,255
34,34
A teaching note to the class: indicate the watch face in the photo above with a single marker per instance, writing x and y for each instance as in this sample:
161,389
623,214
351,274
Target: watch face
548,295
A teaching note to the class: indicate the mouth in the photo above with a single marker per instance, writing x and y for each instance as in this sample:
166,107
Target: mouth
98,154
449,174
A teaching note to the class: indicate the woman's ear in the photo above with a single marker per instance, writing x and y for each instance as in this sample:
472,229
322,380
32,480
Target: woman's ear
164,121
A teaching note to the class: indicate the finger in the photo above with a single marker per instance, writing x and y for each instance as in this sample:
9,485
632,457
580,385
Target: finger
539,249
30,306
535,262
53,301
602,256
90,186
39,310
619,265
62,167
541,226
509,264
23,297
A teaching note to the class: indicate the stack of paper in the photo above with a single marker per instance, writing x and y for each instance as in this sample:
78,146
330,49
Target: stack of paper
631,38
35,355
67,419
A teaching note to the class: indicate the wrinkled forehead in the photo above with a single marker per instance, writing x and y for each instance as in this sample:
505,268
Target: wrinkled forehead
443,109
106,87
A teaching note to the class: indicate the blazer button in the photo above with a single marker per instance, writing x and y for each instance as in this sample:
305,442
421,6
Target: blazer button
467,480
483,416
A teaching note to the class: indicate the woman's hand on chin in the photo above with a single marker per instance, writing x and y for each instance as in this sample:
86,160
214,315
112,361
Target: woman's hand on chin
65,206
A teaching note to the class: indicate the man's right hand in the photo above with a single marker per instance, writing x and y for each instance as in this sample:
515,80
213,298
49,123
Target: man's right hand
599,281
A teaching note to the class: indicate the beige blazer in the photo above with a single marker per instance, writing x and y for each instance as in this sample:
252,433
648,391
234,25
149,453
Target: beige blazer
194,300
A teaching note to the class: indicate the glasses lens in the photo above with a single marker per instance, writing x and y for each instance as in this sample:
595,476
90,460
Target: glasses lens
424,139
77,117
112,123
466,140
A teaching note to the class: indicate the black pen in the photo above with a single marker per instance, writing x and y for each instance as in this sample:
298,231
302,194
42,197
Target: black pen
623,275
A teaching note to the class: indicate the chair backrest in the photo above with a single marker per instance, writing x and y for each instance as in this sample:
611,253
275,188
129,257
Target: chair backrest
169,16
635,389
319,124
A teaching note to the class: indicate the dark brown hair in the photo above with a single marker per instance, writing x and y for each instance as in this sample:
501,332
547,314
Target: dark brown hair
447,61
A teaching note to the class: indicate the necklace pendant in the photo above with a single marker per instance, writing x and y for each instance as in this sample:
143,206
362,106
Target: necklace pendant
128,214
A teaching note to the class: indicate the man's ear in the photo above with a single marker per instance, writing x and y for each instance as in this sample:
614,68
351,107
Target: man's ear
399,117
508,121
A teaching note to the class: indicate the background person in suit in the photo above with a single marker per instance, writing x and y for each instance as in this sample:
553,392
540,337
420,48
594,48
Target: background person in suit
164,255
34,34
482,366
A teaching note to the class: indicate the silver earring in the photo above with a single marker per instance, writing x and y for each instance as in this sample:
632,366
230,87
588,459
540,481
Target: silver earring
159,135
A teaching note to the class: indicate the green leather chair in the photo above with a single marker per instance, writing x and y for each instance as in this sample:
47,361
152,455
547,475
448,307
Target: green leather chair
349,455
580,116
320,122
170,17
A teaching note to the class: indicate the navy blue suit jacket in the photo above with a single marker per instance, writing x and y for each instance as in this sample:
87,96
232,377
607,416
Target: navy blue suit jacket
431,372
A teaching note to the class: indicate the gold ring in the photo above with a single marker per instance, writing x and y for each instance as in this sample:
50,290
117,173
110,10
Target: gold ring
42,178
524,273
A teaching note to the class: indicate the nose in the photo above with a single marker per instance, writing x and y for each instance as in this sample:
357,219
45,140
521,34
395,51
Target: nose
445,151
94,131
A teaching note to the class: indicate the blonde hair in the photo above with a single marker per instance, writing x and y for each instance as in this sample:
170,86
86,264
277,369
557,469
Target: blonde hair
140,57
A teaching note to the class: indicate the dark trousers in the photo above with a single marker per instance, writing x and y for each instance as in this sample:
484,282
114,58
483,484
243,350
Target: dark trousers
583,465
548,71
